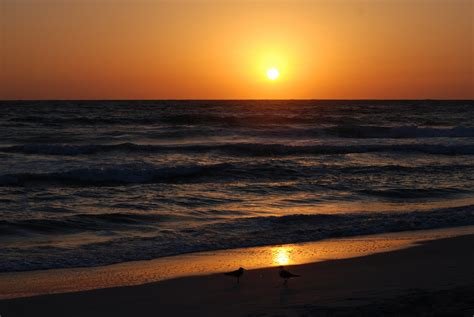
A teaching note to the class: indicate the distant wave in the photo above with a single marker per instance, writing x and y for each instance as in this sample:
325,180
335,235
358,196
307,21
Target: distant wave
363,132
119,174
346,117
399,132
187,126
122,174
237,233
191,118
240,149
203,118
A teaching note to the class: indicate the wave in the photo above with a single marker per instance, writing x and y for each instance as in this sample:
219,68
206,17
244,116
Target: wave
413,193
123,174
119,174
237,233
363,132
399,132
239,149
79,223
184,119
295,127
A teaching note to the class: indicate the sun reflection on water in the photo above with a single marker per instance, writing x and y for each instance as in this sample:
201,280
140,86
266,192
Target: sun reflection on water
281,255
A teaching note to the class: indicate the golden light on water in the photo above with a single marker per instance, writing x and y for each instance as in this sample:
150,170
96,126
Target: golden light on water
281,255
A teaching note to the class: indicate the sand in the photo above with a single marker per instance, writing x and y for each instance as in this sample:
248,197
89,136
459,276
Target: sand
431,278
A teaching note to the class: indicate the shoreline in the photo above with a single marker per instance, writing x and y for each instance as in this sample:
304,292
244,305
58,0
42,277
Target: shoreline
431,276
45,282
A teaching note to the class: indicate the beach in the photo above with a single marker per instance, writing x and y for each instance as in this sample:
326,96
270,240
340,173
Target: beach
429,277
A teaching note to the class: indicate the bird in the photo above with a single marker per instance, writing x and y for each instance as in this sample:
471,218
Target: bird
286,275
237,273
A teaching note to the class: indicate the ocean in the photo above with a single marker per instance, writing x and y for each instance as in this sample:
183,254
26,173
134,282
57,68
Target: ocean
89,183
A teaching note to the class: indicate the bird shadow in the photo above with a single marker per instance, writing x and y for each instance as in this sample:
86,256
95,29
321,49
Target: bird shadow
285,294
235,288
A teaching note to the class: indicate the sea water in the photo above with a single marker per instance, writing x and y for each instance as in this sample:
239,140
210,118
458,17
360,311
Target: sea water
88,183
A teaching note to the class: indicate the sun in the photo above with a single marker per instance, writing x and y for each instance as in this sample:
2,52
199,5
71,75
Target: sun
273,73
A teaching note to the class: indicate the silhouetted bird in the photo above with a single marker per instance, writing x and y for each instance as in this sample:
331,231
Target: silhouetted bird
286,275
237,273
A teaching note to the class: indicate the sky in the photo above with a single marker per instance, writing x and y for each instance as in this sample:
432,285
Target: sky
222,49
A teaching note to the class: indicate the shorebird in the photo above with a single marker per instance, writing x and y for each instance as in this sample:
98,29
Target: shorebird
286,275
237,273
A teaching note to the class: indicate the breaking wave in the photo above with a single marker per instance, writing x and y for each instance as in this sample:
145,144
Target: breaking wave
237,233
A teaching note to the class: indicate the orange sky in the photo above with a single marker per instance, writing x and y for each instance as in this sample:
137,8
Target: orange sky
138,49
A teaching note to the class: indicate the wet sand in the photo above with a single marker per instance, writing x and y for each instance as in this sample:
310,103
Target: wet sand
434,276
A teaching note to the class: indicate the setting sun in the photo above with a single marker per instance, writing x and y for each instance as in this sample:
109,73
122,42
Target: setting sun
273,73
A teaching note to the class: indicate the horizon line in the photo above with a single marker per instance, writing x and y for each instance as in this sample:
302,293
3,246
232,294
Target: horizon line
249,99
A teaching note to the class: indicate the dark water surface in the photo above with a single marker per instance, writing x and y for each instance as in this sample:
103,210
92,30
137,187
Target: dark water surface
94,182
